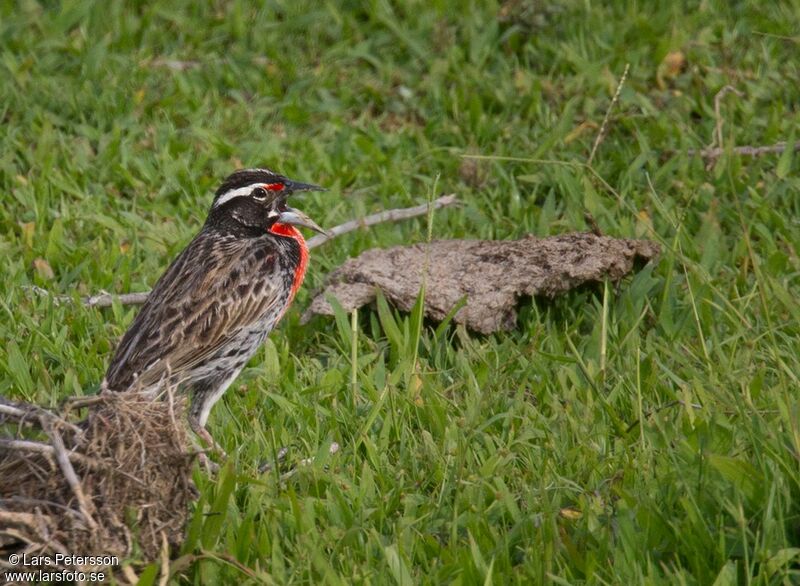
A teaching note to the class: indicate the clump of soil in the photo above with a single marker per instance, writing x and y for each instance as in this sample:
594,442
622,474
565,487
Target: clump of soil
492,275
116,483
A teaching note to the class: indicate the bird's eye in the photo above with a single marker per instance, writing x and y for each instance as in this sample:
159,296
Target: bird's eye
260,193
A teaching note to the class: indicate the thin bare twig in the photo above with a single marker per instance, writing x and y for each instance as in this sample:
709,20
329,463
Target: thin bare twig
40,448
104,299
603,126
80,402
380,217
747,151
22,411
62,457
717,147
8,518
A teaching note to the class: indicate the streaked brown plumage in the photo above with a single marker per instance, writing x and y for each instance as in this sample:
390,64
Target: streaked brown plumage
215,304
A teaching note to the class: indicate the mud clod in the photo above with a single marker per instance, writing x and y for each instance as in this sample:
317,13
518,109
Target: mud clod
491,274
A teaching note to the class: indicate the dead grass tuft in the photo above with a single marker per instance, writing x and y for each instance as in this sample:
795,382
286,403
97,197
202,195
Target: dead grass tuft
117,482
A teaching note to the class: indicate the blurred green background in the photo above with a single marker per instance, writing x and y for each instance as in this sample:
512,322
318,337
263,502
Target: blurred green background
641,434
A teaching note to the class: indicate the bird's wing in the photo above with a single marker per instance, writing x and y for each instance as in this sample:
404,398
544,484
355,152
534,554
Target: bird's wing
216,287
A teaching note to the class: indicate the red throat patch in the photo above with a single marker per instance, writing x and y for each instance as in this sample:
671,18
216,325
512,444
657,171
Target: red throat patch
300,272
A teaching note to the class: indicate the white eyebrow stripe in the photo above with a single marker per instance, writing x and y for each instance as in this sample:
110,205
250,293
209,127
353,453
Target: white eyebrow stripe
229,195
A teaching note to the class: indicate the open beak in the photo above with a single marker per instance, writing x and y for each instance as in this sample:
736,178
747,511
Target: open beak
298,218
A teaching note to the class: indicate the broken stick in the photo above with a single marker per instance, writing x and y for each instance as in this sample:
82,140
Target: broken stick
748,151
380,217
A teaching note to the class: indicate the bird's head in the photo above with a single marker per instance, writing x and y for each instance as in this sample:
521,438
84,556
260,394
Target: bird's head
257,198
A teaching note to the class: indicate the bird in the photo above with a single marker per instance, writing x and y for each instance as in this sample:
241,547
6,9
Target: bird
214,306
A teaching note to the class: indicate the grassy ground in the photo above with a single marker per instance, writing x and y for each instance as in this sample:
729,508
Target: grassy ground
645,434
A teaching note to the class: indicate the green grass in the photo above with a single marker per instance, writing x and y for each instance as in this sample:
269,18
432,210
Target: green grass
648,433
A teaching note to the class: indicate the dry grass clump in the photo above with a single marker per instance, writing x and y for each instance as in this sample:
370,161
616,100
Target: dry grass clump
117,482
